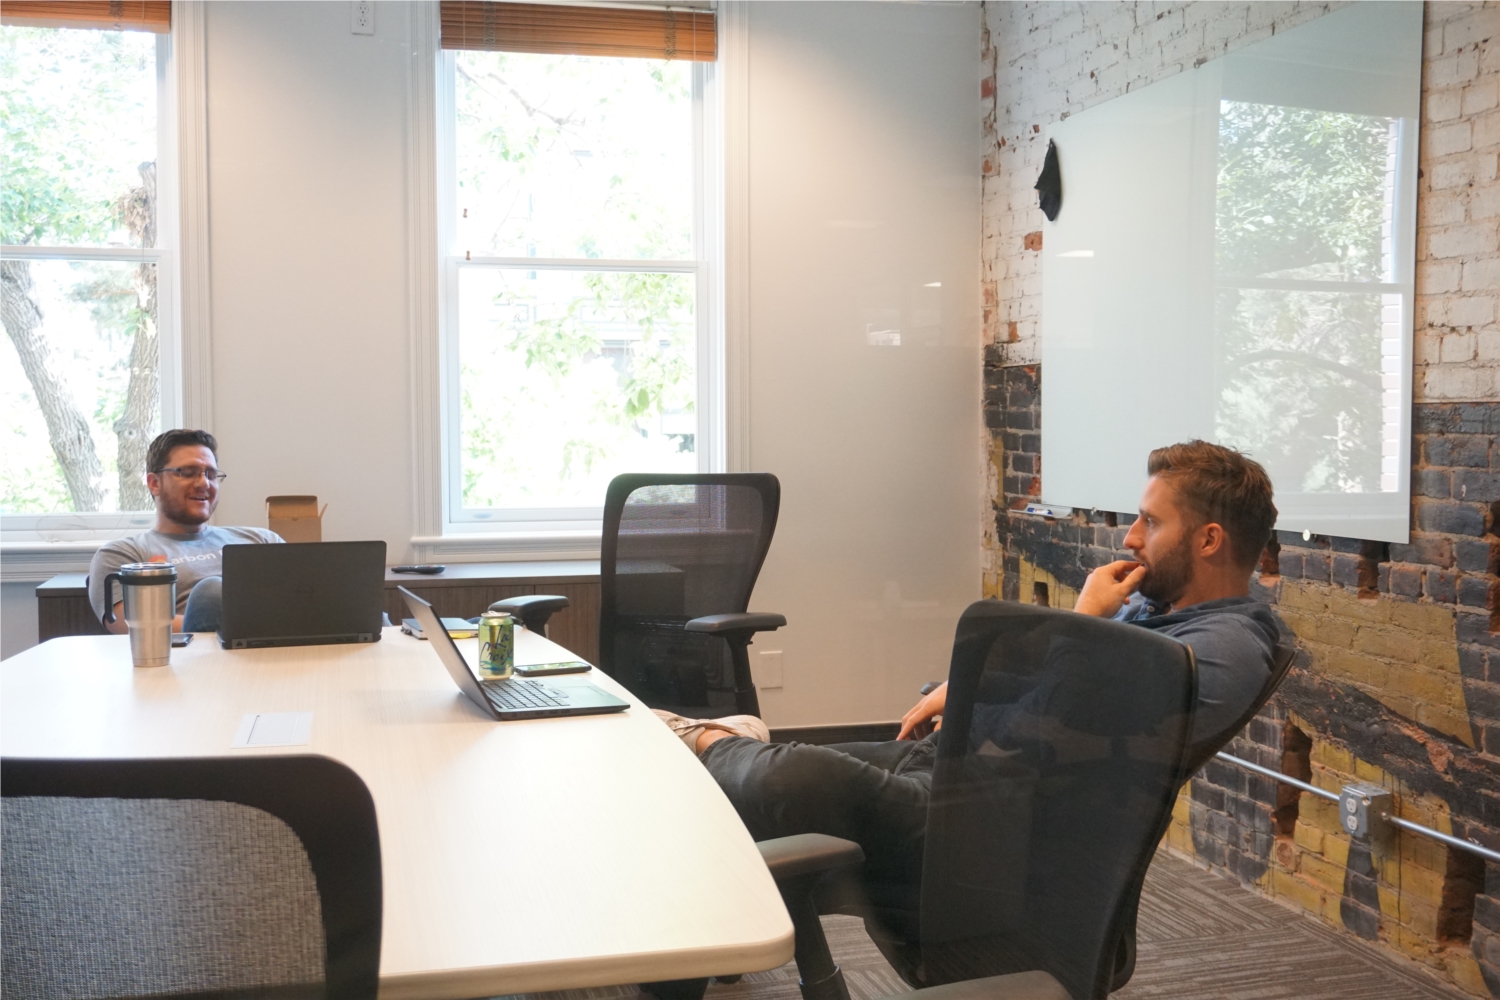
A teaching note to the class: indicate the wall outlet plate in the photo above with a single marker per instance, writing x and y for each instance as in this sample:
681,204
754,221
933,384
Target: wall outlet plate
768,669
1362,811
362,17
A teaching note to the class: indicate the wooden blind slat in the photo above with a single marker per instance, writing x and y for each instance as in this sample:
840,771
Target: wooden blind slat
107,15
559,29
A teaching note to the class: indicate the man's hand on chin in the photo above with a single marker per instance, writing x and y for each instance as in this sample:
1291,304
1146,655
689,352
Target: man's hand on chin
1109,587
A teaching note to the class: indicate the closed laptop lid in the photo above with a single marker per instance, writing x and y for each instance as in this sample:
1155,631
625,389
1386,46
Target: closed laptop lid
303,592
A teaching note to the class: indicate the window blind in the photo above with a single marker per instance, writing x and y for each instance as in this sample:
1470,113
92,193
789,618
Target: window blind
560,29
108,15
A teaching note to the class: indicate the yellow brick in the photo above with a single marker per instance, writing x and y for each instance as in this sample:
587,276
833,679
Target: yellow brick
1329,877
1465,972
1309,838
1446,721
1429,620
1347,605
1409,944
1359,668
1332,756
1420,918
1294,890
1440,655
1318,811
1422,852
1299,596
1416,884
1181,809
1336,850
1383,643
1390,903
1337,633
1424,687
1366,771
1331,910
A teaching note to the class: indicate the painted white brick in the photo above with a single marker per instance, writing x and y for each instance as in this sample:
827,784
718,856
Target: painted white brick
1444,105
1459,241
1487,347
1455,138
1478,276
1457,348
1471,310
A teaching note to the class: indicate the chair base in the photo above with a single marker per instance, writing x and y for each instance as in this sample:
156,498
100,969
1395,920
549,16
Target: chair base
677,989
830,987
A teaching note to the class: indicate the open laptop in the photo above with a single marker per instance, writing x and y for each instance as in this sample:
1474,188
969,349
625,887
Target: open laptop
302,594
513,698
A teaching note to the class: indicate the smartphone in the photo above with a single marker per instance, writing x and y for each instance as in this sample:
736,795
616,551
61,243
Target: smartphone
546,669
181,638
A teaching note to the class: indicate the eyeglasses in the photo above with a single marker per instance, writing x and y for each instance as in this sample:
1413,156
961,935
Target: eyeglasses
192,472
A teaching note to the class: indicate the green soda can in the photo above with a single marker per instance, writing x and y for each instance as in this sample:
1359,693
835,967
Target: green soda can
497,645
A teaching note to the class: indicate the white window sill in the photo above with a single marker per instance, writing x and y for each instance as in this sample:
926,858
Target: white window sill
509,546
35,561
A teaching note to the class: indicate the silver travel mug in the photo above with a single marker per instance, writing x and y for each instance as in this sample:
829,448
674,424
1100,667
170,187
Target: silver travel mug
150,604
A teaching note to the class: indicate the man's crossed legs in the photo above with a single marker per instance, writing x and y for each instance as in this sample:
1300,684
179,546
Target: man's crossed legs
874,794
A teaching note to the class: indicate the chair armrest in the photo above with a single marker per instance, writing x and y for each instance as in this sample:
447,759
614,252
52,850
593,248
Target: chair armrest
1034,985
808,853
532,609
748,622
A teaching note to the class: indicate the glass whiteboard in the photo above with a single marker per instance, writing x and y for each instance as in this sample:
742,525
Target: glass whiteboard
1234,261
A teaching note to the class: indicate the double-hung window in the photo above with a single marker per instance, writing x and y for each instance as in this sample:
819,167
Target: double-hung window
87,272
576,226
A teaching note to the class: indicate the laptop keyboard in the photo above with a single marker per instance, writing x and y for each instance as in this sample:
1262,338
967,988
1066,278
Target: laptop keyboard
520,694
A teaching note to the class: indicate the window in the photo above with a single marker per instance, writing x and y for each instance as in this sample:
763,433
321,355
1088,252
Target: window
87,267
578,284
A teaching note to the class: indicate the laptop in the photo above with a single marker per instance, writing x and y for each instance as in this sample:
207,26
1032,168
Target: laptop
513,698
302,594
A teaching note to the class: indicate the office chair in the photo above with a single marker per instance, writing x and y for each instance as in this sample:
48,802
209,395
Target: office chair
216,876
1125,952
679,560
1064,740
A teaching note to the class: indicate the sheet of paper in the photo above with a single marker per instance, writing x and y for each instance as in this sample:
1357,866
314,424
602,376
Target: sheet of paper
273,729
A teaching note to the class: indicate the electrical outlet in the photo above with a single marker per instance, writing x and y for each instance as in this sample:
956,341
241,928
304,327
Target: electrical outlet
362,17
768,669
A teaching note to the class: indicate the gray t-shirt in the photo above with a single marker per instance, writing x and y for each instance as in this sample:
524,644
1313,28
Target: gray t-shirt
195,556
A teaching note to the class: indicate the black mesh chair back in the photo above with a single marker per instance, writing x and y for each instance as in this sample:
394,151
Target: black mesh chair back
202,877
1064,740
1198,756
677,548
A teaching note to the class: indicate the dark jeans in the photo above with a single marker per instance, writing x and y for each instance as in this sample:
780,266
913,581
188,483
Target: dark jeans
874,794
204,604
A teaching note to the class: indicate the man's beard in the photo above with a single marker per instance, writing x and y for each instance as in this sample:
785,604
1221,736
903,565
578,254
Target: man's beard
181,513
1169,576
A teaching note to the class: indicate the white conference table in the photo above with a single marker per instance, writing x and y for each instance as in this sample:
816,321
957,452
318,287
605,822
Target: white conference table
516,856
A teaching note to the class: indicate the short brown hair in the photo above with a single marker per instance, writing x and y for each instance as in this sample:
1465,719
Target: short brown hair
161,448
1221,485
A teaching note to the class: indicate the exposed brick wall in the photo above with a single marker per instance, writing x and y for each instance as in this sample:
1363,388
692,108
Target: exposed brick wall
1397,679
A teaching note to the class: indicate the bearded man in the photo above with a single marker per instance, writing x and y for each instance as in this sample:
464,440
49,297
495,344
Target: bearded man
1205,517
182,472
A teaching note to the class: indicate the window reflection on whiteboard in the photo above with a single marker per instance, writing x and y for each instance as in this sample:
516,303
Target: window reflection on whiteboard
1234,260
1305,307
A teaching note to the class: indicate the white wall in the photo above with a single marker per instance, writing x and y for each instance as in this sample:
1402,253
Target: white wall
863,189
307,132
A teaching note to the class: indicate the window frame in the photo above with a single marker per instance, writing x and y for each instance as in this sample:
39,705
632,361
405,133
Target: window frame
97,526
508,527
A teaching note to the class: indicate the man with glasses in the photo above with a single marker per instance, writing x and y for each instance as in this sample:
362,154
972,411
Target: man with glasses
183,476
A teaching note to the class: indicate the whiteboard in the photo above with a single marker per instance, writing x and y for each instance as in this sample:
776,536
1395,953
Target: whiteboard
1233,261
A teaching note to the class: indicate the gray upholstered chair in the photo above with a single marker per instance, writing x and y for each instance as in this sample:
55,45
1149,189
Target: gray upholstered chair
210,877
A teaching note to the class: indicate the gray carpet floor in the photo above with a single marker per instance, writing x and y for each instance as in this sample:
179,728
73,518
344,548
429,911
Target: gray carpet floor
1201,937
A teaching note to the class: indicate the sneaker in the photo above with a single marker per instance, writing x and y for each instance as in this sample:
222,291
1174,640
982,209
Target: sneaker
688,730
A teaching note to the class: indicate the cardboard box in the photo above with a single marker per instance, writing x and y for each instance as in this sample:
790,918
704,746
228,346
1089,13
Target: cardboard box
297,519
